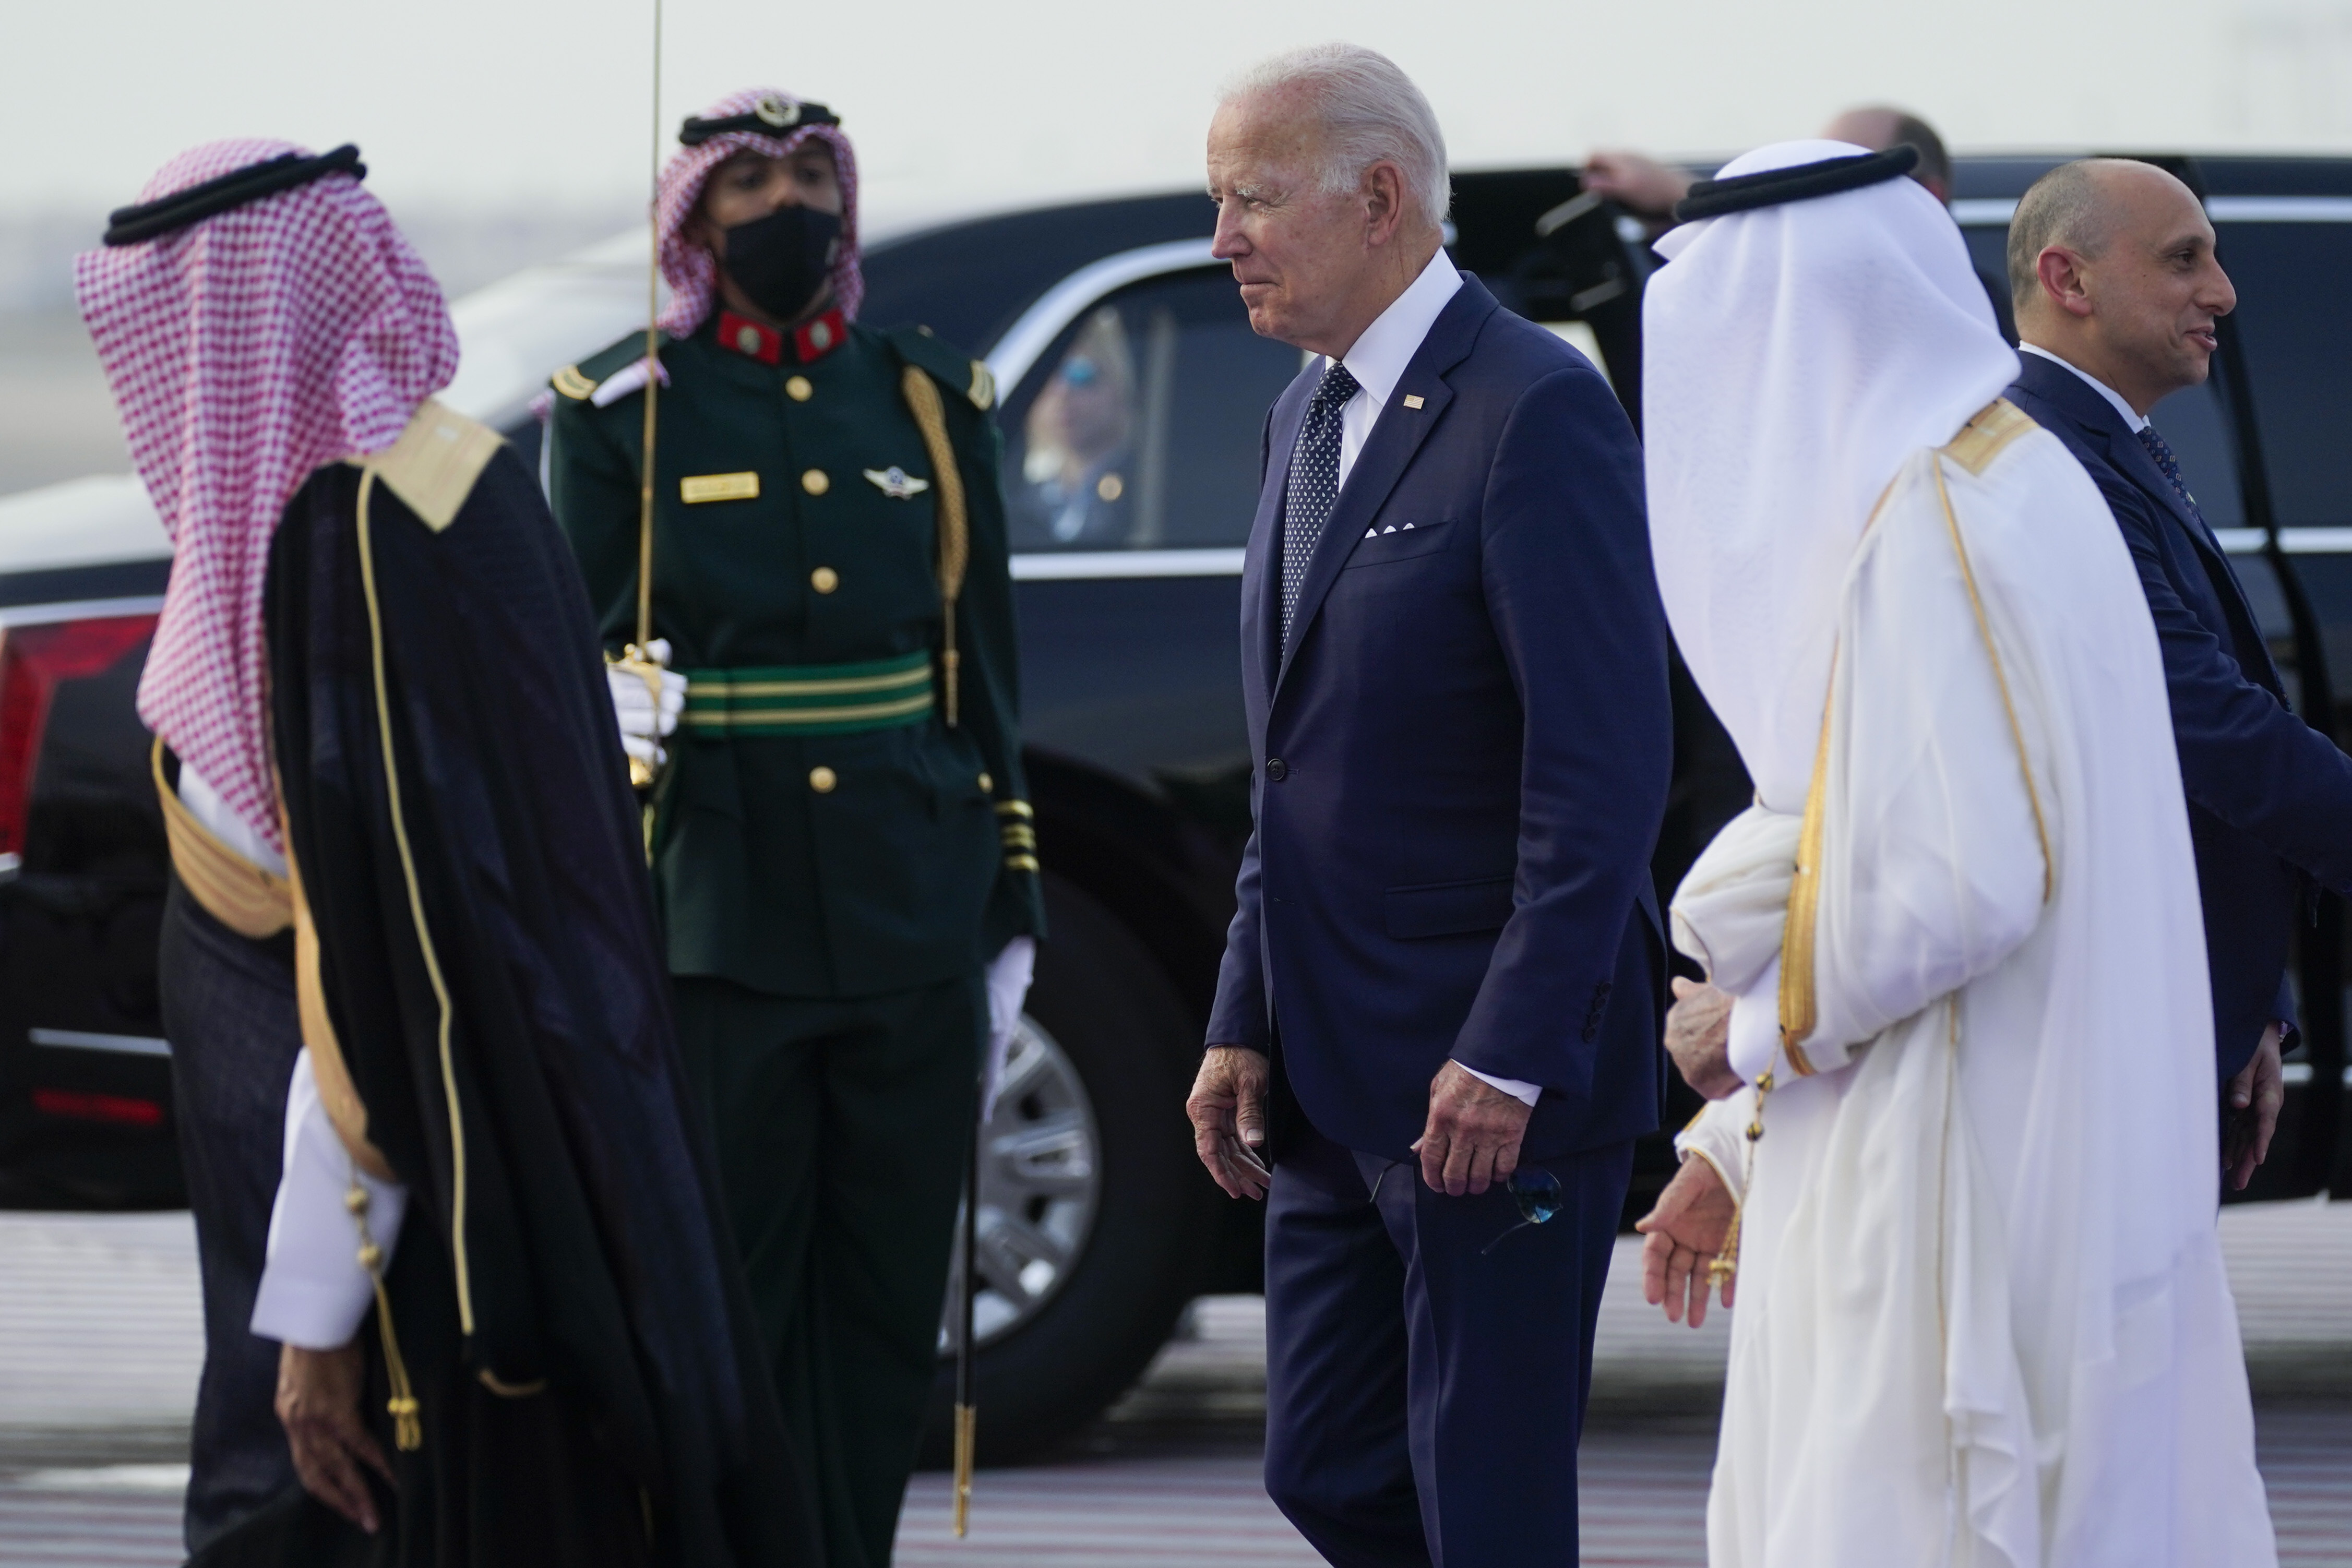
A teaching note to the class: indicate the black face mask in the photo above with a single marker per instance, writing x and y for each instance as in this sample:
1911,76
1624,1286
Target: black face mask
783,259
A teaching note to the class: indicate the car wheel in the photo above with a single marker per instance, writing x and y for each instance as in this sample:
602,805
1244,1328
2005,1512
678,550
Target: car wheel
1095,1219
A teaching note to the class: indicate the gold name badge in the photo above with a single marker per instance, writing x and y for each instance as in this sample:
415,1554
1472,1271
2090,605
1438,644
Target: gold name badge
698,488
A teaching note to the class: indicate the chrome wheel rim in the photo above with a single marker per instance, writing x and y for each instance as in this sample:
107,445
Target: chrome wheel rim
1040,1190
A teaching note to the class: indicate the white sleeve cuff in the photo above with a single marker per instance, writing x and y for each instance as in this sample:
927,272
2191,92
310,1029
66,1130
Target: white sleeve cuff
1518,1089
314,1292
1717,1135
1753,1040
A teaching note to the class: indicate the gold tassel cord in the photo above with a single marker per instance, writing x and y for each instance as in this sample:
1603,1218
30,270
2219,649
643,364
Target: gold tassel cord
407,1425
1725,1267
955,537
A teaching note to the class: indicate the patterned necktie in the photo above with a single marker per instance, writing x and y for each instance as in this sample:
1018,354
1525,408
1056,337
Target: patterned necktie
1314,485
2161,450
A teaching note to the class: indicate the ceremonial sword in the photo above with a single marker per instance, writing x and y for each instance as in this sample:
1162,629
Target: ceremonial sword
637,658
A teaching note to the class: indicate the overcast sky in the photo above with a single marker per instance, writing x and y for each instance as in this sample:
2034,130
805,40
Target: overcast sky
544,103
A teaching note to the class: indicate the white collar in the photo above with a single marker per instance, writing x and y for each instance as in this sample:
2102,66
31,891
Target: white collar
1380,354
2132,416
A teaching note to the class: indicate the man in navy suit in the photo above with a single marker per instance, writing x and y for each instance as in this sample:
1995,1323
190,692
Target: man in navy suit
1438,1010
2116,287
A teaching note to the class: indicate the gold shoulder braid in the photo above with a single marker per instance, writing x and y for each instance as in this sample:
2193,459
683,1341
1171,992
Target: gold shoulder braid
955,535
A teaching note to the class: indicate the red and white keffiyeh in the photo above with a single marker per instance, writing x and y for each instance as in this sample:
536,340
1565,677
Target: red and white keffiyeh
691,272
245,351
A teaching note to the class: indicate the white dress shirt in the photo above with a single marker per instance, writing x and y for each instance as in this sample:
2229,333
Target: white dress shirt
1386,347
1377,362
205,804
314,1294
2132,416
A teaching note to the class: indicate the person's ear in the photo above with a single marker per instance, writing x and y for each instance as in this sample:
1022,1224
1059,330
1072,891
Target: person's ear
2065,283
1383,202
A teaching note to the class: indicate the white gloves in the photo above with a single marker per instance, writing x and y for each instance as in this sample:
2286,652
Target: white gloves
1008,987
643,724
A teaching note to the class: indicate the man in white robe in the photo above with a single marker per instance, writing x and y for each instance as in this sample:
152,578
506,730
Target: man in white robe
1983,1319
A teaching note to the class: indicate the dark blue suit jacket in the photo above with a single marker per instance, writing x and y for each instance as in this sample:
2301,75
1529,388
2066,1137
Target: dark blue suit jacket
1461,763
2269,796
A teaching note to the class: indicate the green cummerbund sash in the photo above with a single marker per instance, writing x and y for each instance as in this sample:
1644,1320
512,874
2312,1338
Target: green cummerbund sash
810,699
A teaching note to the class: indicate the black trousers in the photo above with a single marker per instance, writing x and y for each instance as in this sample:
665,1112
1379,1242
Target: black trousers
1427,1364
228,1011
841,1127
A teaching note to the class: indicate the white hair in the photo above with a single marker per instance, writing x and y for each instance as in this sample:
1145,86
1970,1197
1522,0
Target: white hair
1369,112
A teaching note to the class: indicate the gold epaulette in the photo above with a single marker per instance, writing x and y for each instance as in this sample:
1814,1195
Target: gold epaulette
434,465
234,891
983,391
1986,434
573,384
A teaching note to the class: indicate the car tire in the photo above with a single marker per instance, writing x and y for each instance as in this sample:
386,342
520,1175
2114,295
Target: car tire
1117,1021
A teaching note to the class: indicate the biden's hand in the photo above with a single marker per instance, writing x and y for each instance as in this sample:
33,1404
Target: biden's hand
1685,1232
2255,1097
1228,1111
1698,1037
1472,1138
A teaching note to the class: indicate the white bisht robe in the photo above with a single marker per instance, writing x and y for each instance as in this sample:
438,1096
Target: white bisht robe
1981,1317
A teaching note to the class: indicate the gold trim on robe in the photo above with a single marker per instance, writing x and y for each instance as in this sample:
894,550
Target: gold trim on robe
1989,432
346,1111
249,901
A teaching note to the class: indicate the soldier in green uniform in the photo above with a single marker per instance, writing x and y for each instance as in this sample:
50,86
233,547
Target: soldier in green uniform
842,850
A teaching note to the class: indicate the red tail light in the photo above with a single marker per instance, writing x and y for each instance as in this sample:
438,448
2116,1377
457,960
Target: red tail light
33,660
120,1110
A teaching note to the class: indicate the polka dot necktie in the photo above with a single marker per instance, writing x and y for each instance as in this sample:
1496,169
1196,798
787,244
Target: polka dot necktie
2161,450
1314,485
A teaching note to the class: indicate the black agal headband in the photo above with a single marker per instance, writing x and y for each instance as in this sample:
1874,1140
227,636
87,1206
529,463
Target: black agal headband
766,117
129,225
1803,182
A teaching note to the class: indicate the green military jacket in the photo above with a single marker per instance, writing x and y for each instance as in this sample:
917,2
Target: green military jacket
796,548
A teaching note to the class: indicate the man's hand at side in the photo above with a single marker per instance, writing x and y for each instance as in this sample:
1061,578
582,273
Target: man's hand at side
1472,1138
1685,1232
319,1403
2255,1098
1698,1037
1228,1111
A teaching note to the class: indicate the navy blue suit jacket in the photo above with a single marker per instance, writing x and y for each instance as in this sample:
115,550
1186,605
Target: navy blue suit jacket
2269,796
1461,765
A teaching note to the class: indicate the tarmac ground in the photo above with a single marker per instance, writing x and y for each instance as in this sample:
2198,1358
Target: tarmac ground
99,1343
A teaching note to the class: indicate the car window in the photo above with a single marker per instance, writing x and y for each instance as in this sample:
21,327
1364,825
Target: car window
1139,429
2294,315
2194,424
